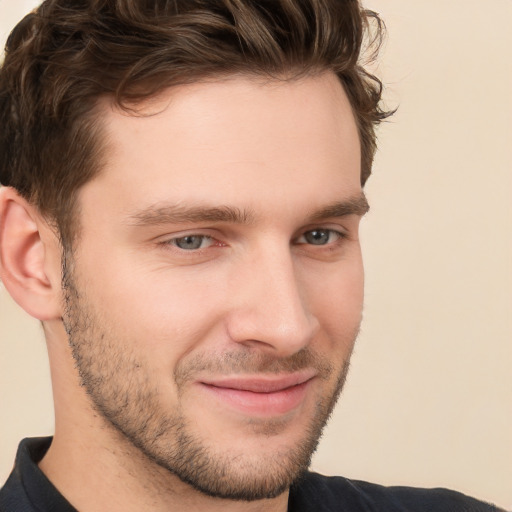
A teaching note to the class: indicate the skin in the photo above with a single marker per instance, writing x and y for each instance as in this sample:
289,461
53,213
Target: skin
273,289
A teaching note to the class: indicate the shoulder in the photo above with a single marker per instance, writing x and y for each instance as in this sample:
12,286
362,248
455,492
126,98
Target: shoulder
326,494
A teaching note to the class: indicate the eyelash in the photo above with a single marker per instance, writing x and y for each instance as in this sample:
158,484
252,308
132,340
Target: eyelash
340,235
174,242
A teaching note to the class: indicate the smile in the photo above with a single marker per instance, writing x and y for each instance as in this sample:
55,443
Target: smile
261,396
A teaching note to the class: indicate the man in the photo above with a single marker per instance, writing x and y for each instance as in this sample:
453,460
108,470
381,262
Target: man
183,189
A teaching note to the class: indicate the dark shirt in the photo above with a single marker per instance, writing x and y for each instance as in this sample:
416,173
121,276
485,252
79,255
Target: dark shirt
28,490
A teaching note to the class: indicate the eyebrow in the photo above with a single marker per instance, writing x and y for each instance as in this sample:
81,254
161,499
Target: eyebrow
160,214
178,214
353,206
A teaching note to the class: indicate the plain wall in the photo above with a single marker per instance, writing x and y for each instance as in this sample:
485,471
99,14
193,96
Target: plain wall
429,398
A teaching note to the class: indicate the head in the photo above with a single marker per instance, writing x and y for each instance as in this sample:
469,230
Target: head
63,58
201,166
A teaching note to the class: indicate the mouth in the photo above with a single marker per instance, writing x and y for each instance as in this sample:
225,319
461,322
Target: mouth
264,396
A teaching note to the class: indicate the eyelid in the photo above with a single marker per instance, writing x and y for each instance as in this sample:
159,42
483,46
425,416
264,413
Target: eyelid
171,242
175,235
203,238
338,231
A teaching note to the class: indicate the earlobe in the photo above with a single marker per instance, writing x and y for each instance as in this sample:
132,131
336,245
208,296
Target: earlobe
26,260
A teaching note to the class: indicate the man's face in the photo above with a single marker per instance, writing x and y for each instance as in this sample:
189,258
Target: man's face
216,291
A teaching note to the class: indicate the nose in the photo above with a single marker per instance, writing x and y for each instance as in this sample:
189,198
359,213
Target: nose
269,308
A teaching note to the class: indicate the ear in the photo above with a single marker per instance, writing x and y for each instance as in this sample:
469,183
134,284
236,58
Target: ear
29,257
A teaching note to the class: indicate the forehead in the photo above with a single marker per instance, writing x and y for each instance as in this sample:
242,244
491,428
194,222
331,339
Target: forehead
239,138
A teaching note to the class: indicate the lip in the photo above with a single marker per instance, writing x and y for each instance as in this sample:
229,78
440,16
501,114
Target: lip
261,395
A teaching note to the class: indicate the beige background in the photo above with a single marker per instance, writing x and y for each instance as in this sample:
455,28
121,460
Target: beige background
429,398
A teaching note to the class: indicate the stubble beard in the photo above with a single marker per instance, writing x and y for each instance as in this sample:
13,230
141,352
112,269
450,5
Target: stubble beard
121,390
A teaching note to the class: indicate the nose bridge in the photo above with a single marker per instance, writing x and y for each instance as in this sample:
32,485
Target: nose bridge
272,309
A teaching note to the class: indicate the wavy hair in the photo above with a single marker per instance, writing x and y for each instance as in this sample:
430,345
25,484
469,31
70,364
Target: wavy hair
64,56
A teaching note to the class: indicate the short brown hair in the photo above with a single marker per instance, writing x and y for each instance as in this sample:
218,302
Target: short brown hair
64,56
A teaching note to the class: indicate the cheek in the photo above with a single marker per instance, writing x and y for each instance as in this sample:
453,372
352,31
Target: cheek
163,312
336,299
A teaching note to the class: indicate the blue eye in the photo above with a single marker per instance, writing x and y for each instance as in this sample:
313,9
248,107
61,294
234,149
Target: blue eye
192,242
320,237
